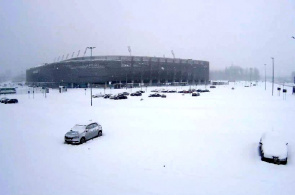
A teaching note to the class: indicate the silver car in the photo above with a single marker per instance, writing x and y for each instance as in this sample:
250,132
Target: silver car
80,133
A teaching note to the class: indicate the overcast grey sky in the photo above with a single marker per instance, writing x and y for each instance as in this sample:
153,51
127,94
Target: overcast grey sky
246,33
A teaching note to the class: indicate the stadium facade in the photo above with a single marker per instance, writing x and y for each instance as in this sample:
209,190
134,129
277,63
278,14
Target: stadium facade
118,70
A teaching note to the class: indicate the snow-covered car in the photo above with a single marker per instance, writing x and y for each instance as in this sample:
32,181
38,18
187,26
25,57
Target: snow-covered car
273,148
97,95
82,132
125,93
3,100
155,95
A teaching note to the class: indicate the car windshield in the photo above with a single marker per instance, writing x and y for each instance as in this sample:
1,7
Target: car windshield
79,128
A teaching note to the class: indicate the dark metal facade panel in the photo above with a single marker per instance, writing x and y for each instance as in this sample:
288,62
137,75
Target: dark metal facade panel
115,69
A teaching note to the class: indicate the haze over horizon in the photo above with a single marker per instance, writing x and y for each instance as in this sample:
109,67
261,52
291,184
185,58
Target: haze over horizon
242,33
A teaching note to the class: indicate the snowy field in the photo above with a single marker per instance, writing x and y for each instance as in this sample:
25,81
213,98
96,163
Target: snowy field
175,146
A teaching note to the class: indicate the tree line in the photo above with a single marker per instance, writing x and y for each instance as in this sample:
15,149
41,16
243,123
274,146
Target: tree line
235,73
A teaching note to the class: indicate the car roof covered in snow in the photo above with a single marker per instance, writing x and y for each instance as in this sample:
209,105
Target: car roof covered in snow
85,123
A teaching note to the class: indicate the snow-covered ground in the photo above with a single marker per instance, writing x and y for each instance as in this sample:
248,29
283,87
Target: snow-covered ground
178,145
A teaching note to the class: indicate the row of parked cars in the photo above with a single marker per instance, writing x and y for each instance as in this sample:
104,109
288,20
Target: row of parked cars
119,96
8,101
124,95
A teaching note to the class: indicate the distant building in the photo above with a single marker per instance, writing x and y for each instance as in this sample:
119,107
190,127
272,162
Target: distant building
105,70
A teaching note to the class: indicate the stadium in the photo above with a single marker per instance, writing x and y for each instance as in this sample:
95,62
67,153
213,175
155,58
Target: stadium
119,71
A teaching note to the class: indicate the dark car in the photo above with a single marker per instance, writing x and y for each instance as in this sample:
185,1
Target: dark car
206,90
141,91
212,86
163,96
107,96
195,94
125,93
155,95
136,94
200,90
120,97
11,101
172,91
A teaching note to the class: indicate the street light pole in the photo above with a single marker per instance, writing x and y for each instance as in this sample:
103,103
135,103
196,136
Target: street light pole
91,48
265,75
273,74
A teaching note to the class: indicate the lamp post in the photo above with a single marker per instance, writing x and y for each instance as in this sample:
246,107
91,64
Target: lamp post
273,74
265,76
91,48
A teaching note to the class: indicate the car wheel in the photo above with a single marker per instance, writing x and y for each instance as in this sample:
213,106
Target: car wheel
82,140
99,133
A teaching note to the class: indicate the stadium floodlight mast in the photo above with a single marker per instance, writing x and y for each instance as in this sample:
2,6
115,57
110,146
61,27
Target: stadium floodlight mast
273,73
91,48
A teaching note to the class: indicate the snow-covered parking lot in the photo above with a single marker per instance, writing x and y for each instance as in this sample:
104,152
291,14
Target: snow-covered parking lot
175,145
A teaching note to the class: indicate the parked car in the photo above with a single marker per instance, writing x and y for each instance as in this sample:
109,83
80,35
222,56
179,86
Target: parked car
163,96
136,94
172,91
113,97
195,94
107,96
155,95
273,148
212,86
141,91
125,93
206,90
120,97
11,101
2,100
82,132
97,95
